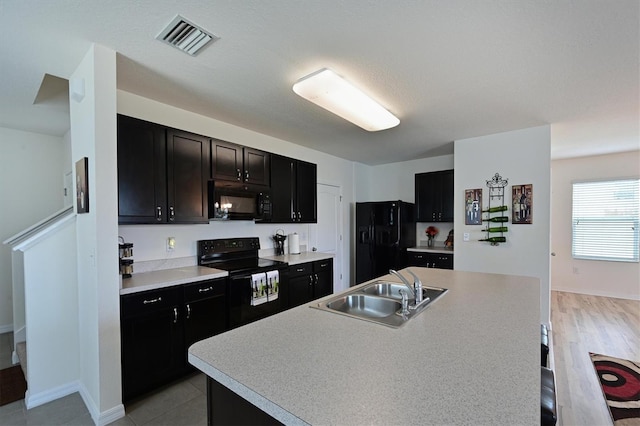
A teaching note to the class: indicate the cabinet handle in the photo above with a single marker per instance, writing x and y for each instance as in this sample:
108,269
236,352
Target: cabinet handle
146,302
158,213
246,175
204,290
324,265
310,280
239,174
316,275
175,315
172,213
299,269
188,312
418,256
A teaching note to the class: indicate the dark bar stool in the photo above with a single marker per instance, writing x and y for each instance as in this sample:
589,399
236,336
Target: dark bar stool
548,412
544,346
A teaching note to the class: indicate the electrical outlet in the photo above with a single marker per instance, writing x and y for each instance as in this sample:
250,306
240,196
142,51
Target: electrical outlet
171,243
465,236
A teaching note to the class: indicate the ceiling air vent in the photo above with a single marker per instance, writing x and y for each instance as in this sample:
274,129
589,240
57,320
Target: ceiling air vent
185,36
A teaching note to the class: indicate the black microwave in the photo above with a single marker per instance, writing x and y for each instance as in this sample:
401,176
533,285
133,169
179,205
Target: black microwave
238,201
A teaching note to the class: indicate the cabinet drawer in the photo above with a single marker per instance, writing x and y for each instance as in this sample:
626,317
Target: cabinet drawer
321,265
301,269
150,301
205,289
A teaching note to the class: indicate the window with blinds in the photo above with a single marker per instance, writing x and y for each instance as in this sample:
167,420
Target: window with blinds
606,216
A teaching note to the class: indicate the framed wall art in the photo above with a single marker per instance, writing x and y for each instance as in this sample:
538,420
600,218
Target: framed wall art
522,199
82,185
472,205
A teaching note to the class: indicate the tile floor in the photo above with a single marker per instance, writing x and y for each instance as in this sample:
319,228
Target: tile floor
181,403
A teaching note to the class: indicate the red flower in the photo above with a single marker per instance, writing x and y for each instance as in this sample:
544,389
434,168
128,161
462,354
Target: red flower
431,231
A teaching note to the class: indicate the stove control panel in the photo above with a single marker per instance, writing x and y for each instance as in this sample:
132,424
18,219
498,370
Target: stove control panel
228,245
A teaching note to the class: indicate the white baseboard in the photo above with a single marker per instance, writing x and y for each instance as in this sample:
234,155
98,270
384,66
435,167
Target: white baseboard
598,293
35,400
100,418
7,328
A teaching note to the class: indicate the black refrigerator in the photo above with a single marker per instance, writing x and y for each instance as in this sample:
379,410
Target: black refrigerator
384,230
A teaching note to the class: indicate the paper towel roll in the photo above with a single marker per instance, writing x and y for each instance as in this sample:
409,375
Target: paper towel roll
294,243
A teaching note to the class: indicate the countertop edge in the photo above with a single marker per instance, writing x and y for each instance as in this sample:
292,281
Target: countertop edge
264,404
304,257
154,280
438,249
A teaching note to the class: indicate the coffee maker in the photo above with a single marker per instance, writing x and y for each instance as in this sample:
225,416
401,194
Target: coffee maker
279,239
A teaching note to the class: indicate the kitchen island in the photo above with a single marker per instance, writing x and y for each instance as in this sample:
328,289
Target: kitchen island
471,357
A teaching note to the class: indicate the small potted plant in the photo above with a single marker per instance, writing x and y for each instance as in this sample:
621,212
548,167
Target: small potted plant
431,232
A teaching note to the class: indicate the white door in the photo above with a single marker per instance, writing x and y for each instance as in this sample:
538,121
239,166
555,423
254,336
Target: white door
328,238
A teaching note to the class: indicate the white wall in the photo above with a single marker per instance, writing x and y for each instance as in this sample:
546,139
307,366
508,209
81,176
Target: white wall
31,175
523,157
601,278
150,240
93,135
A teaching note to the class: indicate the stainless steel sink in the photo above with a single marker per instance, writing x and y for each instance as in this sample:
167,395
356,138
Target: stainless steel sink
365,305
378,302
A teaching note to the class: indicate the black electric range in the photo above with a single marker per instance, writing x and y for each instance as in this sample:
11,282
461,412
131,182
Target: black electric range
254,283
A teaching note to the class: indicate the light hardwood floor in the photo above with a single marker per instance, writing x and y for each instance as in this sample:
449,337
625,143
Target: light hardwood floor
583,324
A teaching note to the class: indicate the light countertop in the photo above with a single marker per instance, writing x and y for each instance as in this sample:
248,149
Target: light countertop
304,257
438,248
169,277
472,357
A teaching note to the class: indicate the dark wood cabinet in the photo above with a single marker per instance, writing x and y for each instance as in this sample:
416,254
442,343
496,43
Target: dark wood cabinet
205,306
162,174
430,260
158,326
232,162
187,177
152,340
293,190
434,196
142,176
310,281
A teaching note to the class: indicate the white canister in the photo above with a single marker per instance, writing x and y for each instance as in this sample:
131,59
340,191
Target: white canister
294,243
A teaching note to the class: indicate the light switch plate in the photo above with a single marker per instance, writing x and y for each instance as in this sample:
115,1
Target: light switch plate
171,243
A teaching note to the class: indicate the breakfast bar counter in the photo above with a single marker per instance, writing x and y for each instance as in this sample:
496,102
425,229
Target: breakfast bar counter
471,357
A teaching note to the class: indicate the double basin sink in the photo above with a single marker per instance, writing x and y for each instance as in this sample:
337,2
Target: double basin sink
380,302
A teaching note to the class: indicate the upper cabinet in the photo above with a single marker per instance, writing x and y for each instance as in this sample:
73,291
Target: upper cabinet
162,174
293,190
236,163
434,196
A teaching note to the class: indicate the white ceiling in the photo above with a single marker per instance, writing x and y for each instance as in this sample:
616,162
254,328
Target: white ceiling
449,69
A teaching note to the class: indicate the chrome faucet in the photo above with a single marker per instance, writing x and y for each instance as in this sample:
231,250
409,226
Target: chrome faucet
416,288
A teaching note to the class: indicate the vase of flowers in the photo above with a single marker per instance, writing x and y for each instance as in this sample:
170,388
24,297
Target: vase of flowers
431,232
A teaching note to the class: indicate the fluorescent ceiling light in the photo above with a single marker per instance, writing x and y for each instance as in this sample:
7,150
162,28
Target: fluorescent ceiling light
328,90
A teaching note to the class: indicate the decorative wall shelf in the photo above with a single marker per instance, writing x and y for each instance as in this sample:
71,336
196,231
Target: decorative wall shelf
496,211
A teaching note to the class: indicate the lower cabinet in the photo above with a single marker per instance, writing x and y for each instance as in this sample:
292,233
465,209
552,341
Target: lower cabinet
430,260
158,326
310,281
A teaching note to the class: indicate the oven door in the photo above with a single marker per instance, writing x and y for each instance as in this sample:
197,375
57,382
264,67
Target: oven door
245,307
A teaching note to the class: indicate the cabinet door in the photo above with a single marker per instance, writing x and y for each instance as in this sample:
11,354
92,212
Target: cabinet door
446,205
141,171
425,198
323,273
152,340
300,284
306,192
443,261
282,178
187,177
205,310
419,259
256,167
226,161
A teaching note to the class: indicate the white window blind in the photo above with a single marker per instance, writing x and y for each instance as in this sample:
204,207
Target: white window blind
606,215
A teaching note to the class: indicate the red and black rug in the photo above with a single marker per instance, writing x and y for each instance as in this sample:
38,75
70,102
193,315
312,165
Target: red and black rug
620,383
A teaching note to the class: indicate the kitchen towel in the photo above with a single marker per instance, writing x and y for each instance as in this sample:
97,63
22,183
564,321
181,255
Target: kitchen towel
259,289
273,283
294,243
